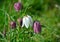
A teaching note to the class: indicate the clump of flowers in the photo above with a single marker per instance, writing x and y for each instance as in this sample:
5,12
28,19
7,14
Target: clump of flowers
26,20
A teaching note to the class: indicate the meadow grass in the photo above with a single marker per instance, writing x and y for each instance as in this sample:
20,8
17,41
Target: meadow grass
49,19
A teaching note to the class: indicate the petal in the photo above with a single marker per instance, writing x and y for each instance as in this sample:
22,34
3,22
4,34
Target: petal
27,22
23,22
31,21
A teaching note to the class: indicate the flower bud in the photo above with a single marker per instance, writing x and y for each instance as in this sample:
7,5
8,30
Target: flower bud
17,6
19,20
36,27
13,24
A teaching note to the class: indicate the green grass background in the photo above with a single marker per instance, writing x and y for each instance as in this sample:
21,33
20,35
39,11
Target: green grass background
42,10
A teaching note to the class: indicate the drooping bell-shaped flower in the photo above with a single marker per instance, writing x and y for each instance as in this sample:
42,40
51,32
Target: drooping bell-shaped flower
17,6
13,24
36,27
27,21
19,20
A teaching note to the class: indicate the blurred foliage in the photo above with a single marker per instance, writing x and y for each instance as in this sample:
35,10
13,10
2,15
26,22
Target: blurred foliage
41,10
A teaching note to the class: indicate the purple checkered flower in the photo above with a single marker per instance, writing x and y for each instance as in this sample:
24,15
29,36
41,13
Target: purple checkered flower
13,24
17,6
36,27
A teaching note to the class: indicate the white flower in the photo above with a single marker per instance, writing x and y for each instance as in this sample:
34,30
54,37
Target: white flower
27,21
57,6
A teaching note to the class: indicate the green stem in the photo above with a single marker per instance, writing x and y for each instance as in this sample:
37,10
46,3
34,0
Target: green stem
6,14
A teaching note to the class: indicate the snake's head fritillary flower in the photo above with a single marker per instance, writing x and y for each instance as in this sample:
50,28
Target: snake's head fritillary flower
36,27
13,24
19,20
27,21
17,6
